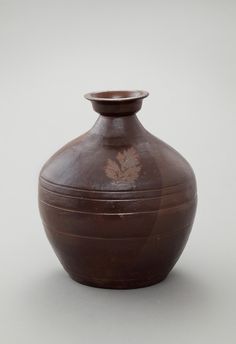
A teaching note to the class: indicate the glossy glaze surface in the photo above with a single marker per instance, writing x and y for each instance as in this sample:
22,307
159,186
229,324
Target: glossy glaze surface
117,203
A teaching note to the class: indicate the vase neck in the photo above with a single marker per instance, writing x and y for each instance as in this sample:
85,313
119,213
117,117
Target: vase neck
114,127
117,103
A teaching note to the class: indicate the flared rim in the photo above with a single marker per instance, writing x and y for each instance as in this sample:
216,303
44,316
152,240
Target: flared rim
116,95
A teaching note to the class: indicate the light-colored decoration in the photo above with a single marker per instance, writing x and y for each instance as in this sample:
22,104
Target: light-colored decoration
126,168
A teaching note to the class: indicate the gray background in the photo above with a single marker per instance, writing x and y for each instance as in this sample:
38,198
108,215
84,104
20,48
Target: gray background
183,53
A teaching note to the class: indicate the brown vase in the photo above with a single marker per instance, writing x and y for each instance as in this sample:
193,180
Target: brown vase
117,203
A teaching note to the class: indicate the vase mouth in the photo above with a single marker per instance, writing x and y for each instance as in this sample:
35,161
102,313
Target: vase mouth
116,95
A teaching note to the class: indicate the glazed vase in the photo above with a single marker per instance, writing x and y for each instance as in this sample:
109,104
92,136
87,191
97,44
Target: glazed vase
117,203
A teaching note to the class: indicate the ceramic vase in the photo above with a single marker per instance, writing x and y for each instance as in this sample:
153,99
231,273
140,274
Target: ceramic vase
117,203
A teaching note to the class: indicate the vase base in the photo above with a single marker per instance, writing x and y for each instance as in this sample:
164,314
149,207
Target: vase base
117,284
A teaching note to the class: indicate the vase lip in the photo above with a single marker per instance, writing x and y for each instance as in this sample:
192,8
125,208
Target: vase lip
116,95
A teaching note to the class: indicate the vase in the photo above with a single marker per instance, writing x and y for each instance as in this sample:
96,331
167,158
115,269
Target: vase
117,203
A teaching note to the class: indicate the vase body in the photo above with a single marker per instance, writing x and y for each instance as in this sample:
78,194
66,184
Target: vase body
117,203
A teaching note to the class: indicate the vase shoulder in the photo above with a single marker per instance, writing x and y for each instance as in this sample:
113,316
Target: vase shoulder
96,163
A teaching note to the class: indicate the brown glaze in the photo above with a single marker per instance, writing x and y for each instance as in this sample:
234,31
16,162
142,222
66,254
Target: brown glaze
117,203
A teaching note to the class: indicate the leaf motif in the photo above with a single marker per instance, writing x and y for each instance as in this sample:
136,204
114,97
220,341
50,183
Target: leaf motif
129,168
